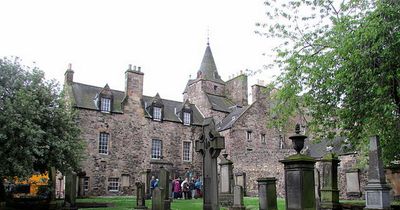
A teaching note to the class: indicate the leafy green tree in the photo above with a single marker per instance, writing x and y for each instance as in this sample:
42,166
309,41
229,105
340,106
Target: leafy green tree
340,63
37,130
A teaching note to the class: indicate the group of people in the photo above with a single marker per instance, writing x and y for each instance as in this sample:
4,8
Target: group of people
185,189
182,189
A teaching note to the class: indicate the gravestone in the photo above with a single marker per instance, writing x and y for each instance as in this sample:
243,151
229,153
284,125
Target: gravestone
353,183
267,193
209,146
140,196
70,191
157,199
146,177
237,199
226,181
376,191
164,184
299,177
329,188
240,179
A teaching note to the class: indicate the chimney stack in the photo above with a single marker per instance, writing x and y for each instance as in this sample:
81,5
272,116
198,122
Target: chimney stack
69,75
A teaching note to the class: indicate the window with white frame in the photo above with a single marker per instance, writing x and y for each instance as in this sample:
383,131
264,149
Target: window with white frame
103,143
187,151
186,118
248,135
85,183
263,138
156,149
113,184
157,113
105,104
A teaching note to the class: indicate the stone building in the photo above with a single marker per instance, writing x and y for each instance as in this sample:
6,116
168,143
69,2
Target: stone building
127,132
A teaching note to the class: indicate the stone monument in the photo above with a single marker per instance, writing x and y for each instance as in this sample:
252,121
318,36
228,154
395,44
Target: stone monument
237,198
240,179
209,146
70,191
299,177
157,199
146,177
164,184
140,196
329,189
376,191
267,193
227,182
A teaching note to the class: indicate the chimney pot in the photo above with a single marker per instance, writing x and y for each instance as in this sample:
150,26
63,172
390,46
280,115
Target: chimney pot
70,66
130,67
139,68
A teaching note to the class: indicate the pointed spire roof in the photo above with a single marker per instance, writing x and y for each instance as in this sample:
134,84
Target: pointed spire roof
208,69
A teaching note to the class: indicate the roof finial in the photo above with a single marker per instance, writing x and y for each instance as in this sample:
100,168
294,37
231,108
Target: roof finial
208,36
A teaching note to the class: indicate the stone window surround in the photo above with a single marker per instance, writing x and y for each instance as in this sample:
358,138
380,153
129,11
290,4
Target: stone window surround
157,113
113,184
262,136
105,104
248,135
189,153
156,149
103,146
86,183
186,118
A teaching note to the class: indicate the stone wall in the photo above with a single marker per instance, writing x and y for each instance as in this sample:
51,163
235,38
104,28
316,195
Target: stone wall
236,90
129,150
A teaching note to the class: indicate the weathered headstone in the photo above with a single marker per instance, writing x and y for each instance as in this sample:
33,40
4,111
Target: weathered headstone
157,199
240,179
267,193
353,183
299,177
209,146
146,177
226,181
140,196
164,186
376,191
329,189
237,199
70,191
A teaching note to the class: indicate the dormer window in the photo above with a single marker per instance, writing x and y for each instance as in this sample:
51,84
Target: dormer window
105,105
186,118
157,113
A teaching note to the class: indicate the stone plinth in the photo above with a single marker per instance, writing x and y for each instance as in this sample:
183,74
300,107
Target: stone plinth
377,191
299,182
140,196
329,187
267,193
238,199
70,191
226,181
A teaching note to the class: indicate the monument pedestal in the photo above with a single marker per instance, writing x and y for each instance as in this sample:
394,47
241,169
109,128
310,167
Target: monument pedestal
267,193
329,191
299,182
376,191
377,196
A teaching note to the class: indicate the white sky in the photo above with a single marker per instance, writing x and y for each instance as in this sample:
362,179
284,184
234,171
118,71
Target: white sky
167,38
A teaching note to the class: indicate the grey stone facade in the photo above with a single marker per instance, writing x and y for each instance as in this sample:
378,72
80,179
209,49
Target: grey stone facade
130,124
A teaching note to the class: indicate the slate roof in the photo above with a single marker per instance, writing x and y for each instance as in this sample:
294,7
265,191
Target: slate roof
208,69
339,147
84,96
231,118
169,110
220,103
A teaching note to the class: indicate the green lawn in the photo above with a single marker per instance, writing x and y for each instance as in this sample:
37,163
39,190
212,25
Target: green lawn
128,202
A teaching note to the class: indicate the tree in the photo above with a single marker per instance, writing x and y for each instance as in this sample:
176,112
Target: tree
341,64
37,130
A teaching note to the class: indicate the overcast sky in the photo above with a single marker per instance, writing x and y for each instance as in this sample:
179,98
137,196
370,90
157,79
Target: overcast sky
166,38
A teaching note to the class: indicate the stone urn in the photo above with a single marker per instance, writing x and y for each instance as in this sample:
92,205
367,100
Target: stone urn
298,140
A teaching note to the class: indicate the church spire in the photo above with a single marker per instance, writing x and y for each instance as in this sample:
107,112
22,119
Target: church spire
208,69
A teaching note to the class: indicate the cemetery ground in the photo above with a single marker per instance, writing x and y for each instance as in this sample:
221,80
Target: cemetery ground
128,202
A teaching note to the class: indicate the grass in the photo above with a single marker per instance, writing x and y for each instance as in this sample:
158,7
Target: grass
129,202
